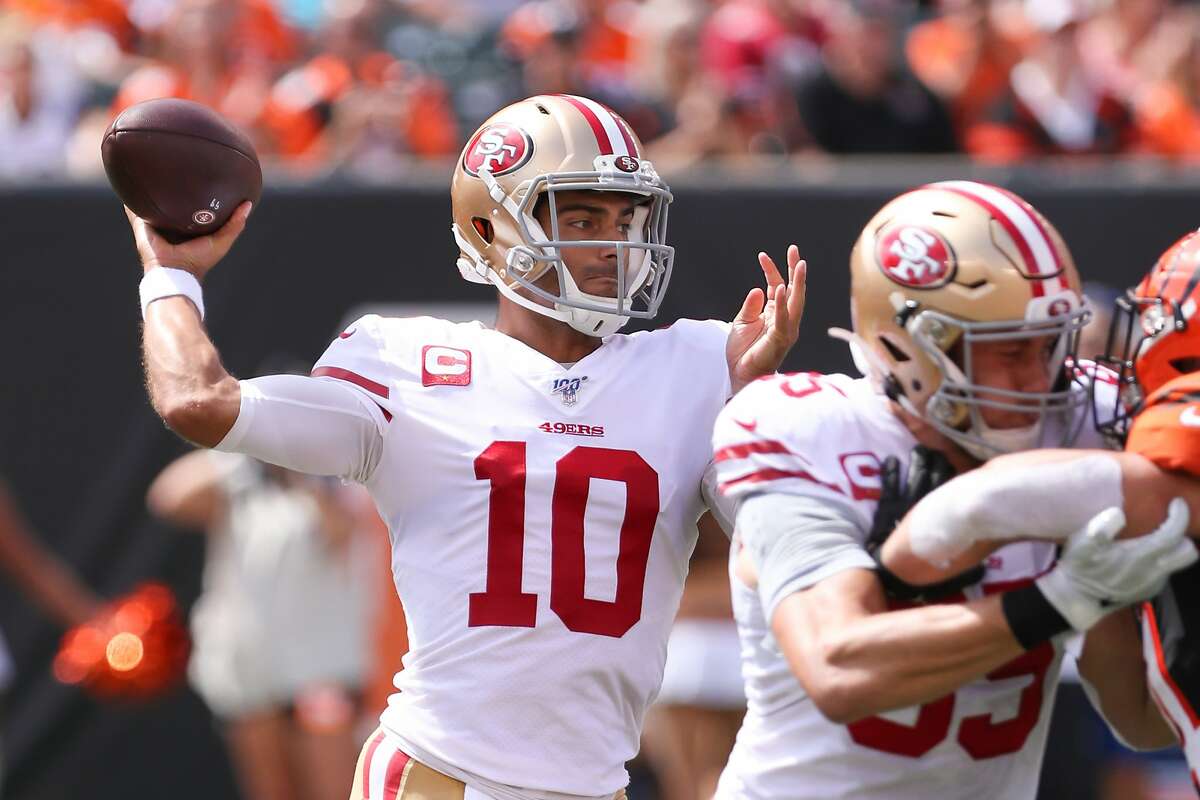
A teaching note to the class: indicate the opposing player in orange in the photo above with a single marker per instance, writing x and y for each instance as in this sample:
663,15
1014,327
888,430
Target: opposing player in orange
1154,352
541,481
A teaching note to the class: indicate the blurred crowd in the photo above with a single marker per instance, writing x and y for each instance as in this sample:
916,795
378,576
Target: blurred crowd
364,87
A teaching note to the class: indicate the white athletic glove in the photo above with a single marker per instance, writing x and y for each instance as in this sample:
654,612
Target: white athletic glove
1097,574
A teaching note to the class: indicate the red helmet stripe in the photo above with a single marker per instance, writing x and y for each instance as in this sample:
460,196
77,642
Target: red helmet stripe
1060,273
623,127
602,139
1031,239
618,136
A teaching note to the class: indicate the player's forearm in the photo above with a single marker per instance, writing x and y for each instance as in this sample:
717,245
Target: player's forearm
857,667
188,386
1009,500
1112,667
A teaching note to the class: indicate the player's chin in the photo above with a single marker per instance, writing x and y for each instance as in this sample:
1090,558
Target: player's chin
600,287
1010,420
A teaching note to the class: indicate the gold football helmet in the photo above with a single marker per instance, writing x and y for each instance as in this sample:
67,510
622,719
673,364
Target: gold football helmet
953,263
524,154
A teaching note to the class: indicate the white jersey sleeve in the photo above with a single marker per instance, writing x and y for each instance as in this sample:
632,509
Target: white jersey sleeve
776,436
795,542
329,424
774,441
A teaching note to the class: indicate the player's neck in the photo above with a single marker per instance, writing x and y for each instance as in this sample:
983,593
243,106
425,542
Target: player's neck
554,339
929,436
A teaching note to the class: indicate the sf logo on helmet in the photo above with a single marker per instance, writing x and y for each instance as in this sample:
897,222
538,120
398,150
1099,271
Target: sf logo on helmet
498,149
914,256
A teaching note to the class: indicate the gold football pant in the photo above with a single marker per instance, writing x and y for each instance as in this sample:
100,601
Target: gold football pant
386,773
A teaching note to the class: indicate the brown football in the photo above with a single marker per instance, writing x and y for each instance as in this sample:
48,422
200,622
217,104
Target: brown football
180,166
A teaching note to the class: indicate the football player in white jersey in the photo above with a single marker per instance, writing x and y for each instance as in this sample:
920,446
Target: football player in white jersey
541,481
1154,350
965,306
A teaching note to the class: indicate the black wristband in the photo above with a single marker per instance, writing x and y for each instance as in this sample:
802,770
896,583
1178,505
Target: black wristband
1030,616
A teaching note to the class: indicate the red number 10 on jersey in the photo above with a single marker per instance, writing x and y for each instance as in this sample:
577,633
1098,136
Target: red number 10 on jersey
503,602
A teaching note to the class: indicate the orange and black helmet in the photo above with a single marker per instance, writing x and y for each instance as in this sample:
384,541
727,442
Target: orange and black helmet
1152,339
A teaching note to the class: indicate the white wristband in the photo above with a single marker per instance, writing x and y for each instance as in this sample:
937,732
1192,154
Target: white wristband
160,282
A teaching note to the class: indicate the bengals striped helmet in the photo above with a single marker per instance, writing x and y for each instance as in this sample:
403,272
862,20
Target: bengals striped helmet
1151,338
953,263
525,154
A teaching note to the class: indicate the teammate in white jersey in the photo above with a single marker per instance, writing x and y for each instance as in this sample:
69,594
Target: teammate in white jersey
1154,349
541,481
965,302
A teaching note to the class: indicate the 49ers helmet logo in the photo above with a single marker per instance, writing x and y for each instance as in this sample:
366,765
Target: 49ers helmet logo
498,148
915,256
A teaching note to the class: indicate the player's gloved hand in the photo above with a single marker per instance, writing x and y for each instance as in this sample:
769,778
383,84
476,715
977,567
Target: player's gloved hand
1097,574
927,470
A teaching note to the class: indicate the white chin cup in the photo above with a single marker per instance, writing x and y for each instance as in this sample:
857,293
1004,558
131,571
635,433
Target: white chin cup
593,323
590,321
1008,440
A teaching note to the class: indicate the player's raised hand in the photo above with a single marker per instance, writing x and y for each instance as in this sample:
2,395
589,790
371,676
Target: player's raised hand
198,255
769,322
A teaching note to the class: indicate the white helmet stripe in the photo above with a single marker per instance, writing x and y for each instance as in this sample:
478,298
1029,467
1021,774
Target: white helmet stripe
1030,238
617,138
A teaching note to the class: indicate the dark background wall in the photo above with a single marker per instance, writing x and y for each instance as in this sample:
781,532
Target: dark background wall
79,443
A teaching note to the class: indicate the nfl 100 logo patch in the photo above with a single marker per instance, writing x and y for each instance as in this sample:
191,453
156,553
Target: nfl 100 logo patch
568,389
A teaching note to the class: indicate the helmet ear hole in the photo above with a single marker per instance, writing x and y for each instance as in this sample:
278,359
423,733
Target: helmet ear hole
1187,364
896,353
484,228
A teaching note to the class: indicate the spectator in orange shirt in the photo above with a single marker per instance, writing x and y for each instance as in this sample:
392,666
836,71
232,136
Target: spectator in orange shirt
223,53
964,57
1056,103
600,34
356,107
1145,49
107,15
393,114
565,47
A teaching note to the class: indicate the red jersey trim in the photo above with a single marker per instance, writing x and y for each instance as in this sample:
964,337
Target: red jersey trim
352,377
764,475
736,451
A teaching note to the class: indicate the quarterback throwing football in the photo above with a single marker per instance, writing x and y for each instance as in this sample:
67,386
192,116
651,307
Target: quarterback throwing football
541,481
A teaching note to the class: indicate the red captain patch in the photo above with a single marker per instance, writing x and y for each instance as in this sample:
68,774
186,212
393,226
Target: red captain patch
445,366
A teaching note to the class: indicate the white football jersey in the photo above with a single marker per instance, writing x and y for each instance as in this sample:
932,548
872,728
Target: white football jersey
541,521
824,437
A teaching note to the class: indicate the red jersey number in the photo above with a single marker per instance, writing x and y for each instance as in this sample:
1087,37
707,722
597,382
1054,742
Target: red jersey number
802,384
979,735
503,602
